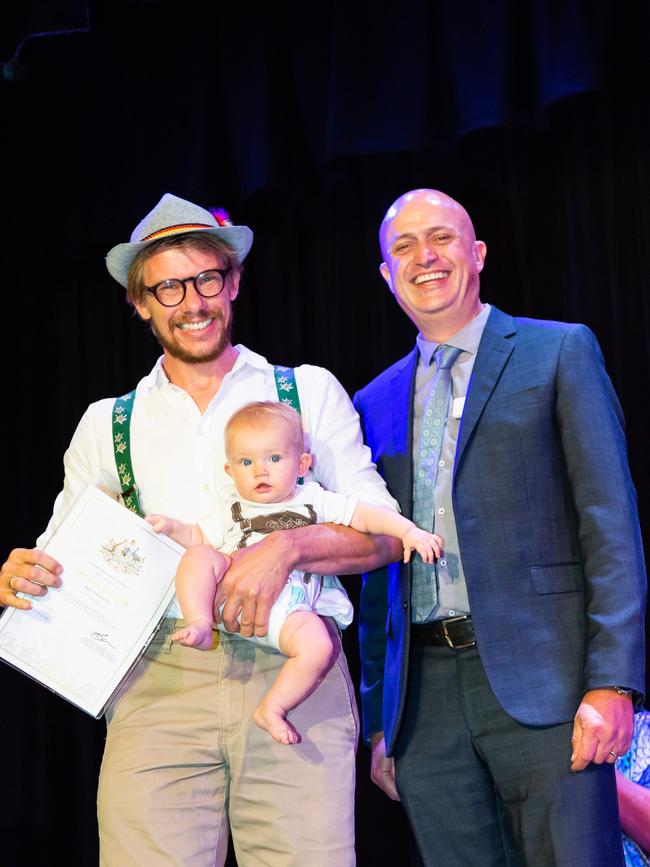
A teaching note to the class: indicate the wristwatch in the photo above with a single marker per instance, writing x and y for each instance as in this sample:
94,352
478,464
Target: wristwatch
621,690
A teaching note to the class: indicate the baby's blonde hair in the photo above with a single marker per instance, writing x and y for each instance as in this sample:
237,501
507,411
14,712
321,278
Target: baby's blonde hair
259,414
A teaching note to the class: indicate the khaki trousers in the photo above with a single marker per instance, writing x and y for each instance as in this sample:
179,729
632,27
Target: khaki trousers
184,763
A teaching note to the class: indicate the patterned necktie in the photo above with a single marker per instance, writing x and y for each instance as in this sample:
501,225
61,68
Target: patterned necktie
424,594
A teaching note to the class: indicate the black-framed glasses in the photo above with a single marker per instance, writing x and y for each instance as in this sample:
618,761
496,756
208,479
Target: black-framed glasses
170,293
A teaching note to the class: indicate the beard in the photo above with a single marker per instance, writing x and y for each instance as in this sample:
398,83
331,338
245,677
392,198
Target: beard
181,354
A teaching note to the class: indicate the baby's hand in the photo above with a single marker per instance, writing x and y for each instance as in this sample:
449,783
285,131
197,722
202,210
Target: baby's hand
184,534
161,524
428,545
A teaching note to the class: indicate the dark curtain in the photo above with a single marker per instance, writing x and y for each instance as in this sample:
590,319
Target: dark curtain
533,114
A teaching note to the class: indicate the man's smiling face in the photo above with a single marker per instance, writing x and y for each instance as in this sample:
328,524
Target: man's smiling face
198,329
432,259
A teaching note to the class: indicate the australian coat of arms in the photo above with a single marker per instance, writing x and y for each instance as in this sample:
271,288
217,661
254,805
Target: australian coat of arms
123,556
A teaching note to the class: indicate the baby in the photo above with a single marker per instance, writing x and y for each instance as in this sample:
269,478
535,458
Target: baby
266,457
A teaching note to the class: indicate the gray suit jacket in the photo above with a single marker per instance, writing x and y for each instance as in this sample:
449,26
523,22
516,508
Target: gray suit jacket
547,526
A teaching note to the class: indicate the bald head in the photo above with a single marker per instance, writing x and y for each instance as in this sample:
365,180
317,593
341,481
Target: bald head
418,201
432,261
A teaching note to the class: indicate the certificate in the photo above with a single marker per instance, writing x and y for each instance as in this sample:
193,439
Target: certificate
82,639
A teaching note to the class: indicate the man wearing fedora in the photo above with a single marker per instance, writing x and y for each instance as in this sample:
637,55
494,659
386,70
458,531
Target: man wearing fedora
498,684
183,761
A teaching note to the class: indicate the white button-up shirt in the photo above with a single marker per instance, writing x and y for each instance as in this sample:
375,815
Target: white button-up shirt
178,453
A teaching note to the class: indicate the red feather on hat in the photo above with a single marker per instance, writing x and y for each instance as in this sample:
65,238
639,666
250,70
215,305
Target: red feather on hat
221,216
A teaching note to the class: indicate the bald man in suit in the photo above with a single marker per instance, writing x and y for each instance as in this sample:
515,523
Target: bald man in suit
499,687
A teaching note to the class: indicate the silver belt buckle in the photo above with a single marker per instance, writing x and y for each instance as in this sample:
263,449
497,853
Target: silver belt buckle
448,637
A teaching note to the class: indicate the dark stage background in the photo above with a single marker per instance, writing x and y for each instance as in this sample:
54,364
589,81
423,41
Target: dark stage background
305,122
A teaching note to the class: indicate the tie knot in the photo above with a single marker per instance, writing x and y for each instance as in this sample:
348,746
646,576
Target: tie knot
446,355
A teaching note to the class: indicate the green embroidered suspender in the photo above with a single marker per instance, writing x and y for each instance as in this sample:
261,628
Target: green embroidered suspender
285,384
122,409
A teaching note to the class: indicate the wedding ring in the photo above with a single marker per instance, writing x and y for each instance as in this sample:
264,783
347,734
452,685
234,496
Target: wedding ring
11,586
612,753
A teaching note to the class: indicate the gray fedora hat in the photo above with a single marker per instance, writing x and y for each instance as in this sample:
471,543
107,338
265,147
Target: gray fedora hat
174,216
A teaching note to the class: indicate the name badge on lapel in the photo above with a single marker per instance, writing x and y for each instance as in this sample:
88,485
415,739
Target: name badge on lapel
457,407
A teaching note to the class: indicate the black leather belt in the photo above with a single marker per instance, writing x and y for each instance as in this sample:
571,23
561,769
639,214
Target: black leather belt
454,632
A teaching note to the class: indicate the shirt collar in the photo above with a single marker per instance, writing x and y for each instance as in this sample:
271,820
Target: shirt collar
158,378
467,339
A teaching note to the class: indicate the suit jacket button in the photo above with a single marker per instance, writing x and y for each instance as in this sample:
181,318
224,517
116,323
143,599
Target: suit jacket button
405,606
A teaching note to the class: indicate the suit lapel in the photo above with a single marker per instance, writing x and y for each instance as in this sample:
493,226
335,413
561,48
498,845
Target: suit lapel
401,397
497,343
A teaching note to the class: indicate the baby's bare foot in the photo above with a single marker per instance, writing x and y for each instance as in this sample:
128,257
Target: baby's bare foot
197,634
272,719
